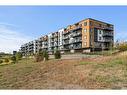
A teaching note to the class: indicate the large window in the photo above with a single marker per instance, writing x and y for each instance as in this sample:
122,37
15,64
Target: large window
91,23
99,38
85,37
91,29
85,43
99,31
85,30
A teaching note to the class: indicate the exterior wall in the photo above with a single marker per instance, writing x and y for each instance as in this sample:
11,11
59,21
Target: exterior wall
60,38
49,43
104,31
85,34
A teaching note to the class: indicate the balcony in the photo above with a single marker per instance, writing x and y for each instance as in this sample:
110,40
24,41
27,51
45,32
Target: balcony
66,32
45,46
77,40
107,40
56,35
66,37
52,37
109,28
77,34
77,28
55,44
52,41
55,40
107,35
78,46
66,43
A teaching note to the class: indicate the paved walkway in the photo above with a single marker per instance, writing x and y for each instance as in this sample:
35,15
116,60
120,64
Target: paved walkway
75,56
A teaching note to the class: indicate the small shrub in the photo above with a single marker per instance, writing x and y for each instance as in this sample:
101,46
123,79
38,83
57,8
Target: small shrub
18,56
57,54
38,57
6,60
13,58
42,55
1,61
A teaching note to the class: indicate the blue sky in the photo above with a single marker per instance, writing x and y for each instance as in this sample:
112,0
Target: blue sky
20,24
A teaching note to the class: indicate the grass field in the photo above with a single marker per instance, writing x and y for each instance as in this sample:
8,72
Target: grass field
103,72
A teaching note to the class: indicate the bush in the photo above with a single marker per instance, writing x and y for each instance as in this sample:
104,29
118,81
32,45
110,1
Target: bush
57,54
18,56
6,60
42,55
13,58
45,55
39,57
1,61
122,47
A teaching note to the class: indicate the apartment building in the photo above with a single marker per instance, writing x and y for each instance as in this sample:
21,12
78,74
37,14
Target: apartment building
28,48
84,36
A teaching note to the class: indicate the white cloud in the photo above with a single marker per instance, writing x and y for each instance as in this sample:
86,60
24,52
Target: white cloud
11,38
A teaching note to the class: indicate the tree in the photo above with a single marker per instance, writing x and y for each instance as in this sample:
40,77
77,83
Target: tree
122,47
18,56
42,55
57,54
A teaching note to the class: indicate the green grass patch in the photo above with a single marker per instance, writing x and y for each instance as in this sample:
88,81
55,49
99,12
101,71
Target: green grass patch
112,63
85,63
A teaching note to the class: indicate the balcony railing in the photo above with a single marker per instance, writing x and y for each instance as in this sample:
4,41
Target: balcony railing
66,37
108,28
77,27
66,43
107,34
45,46
67,32
77,34
107,40
77,47
75,41
55,40
55,35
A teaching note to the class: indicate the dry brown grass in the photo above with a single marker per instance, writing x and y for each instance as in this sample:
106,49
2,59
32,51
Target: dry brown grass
106,72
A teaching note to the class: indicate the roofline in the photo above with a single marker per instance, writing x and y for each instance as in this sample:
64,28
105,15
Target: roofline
67,26
99,21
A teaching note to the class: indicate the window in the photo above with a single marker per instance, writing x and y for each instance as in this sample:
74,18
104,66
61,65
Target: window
85,30
85,43
100,32
100,45
91,37
85,37
90,23
91,29
85,23
99,38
